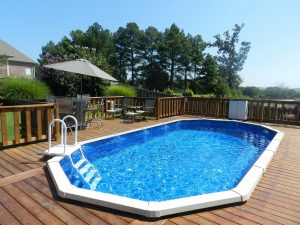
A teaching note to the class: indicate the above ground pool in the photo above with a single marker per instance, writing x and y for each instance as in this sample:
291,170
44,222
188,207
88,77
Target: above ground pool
168,168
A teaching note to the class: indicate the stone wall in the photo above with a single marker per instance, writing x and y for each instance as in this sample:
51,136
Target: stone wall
17,69
3,70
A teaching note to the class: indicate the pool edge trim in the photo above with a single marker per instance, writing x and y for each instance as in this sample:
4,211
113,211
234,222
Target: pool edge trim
240,193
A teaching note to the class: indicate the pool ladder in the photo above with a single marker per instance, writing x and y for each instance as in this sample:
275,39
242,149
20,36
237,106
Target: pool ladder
83,167
86,171
62,148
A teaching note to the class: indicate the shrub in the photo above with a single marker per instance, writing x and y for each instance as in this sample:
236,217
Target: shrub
17,89
120,90
169,91
188,92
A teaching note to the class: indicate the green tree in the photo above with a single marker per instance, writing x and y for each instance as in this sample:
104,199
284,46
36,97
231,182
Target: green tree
63,83
185,59
3,59
128,44
222,88
172,48
197,54
210,75
78,37
100,39
280,92
252,92
119,59
231,59
152,65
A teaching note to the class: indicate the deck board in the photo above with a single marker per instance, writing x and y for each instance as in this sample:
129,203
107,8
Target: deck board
36,209
28,196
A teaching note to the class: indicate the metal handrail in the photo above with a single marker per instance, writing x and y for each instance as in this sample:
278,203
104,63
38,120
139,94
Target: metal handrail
63,138
76,126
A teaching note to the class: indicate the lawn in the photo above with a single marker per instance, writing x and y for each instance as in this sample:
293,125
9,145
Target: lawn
9,127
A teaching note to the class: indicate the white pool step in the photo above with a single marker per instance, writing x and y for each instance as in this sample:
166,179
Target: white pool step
95,182
90,175
79,163
87,171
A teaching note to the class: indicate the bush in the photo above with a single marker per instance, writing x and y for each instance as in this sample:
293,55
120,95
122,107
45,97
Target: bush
188,92
169,91
17,89
120,90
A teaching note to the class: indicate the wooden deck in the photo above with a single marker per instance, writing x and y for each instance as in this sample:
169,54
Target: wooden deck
27,194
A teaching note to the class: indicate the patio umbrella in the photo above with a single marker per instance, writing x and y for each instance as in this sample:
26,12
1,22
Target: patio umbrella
82,67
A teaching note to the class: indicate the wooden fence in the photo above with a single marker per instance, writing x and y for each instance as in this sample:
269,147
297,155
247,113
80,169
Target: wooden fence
274,111
210,107
169,106
26,123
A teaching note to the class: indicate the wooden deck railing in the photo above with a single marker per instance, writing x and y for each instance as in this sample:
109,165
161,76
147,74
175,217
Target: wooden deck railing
258,110
211,107
274,111
169,106
26,123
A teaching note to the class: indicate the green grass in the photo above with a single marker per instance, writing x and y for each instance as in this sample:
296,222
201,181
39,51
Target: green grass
9,127
119,90
205,96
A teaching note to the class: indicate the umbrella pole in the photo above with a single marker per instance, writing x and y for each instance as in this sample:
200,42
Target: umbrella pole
81,85
81,108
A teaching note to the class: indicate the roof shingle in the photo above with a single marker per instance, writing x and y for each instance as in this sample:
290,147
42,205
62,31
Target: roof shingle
14,54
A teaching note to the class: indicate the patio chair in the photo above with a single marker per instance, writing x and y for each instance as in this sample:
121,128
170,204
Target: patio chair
149,106
113,110
125,103
92,114
50,98
67,107
83,103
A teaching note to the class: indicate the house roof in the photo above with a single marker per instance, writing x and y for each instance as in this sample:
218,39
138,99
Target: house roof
12,53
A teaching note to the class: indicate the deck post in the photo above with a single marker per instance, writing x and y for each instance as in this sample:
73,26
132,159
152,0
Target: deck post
57,125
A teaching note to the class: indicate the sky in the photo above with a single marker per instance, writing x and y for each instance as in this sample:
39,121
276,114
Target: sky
272,27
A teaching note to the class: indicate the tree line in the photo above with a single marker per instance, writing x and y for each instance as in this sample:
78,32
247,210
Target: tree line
152,59
275,92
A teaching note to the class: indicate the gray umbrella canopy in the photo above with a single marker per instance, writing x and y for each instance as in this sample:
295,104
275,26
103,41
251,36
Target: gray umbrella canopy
81,66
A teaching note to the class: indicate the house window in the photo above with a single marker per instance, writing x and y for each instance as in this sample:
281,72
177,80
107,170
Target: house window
28,72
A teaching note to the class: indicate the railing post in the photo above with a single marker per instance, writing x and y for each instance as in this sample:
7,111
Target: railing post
57,125
3,128
217,108
157,108
39,124
262,112
28,125
182,110
16,127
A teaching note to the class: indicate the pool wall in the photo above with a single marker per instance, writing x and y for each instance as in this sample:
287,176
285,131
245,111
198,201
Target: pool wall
240,193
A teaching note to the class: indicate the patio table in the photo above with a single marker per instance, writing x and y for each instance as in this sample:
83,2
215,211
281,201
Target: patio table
132,116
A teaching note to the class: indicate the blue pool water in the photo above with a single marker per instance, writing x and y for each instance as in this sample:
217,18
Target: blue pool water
180,159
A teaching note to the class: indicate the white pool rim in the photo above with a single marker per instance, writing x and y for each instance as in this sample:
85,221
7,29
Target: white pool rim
240,193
